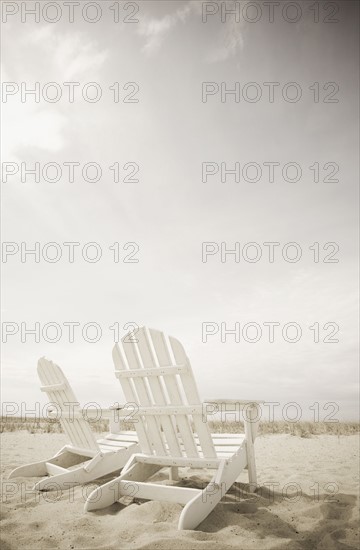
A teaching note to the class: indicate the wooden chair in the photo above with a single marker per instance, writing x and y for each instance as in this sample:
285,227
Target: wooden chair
173,432
84,458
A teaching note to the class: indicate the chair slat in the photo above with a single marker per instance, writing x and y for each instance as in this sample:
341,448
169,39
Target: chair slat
80,425
171,383
149,361
131,397
59,392
189,384
145,399
45,377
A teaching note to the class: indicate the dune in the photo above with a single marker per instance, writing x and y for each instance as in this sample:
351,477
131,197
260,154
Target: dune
307,498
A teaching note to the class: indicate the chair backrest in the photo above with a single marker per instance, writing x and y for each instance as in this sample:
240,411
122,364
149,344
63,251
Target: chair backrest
59,392
156,375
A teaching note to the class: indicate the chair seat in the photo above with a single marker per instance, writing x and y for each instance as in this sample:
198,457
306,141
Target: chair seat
117,442
225,444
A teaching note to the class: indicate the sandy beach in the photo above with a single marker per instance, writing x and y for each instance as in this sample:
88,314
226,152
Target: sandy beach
307,498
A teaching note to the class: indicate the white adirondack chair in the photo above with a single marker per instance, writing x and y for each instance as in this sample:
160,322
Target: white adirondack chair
156,376
84,459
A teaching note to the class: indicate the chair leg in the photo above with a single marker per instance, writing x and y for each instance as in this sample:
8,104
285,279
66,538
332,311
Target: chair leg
64,481
251,467
107,464
34,469
110,492
197,509
174,473
37,469
250,432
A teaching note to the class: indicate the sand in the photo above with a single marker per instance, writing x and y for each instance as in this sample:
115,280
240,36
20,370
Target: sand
313,503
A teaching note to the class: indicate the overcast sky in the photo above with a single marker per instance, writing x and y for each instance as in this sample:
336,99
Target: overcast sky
170,211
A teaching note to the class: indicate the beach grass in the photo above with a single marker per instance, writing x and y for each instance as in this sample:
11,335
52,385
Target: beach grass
301,429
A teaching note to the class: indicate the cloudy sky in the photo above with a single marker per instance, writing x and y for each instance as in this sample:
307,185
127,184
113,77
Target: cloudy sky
169,132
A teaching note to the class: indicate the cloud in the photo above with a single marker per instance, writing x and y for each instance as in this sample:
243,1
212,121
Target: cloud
31,126
71,54
229,42
67,57
75,56
155,30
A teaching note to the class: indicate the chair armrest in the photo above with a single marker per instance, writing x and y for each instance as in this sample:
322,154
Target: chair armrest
97,413
239,402
89,413
250,418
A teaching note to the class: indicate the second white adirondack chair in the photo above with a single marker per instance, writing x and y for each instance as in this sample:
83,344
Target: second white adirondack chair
156,376
84,458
